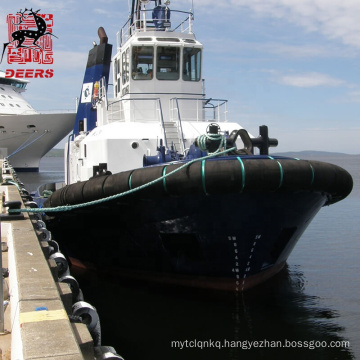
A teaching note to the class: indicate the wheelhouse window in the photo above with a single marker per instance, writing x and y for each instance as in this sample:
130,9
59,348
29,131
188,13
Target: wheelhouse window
142,62
191,64
117,75
168,63
125,66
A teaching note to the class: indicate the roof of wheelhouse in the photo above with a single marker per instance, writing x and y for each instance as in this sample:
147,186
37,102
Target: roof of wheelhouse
155,24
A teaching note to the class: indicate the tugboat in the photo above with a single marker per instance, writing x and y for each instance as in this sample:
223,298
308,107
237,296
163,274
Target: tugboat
161,186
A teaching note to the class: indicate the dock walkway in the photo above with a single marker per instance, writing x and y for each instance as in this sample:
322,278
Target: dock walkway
37,324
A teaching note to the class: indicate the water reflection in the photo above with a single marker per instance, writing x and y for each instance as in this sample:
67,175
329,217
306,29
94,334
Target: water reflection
141,322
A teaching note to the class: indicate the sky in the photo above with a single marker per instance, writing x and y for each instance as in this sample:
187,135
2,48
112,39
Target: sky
292,65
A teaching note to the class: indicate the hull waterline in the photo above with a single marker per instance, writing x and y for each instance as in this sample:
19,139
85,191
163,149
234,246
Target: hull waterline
230,242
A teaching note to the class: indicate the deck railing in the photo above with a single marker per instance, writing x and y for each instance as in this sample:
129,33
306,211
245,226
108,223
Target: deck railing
144,22
199,109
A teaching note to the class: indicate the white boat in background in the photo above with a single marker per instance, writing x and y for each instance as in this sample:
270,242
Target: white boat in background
26,135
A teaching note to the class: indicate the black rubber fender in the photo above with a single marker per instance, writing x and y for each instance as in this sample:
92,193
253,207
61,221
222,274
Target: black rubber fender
214,176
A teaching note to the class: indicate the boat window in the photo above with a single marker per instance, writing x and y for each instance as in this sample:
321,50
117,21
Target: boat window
145,39
191,64
10,96
142,62
168,39
2,104
116,66
2,88
11,105
125,66
17,105
168,63
117,76
191,41
13,82
118,86
17,84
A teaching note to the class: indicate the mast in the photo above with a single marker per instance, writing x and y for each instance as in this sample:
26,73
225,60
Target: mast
132,11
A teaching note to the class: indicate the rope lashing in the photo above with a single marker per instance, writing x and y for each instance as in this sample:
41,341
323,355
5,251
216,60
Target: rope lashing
26,145
116,196
212,137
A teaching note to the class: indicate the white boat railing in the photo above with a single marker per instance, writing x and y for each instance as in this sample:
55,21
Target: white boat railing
198,109
183,19
136,110
181,109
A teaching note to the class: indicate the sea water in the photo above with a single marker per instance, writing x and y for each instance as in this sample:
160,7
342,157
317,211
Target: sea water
311,310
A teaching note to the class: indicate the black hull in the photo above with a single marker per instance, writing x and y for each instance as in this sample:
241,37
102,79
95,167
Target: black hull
231,230
228,242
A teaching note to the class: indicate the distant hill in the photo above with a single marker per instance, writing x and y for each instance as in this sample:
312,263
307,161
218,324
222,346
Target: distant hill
312,154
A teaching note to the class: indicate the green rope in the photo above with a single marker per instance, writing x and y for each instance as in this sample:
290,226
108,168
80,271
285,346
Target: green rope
116,196
312,175
11,182
203,176
213,137
47,193
242,173
164,179
281,174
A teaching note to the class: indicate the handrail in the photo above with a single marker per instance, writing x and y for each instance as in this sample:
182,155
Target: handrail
159,110
70,138
180,124
140,25
162,123
205,102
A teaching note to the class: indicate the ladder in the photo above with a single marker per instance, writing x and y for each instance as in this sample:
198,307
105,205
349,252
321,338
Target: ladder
173,136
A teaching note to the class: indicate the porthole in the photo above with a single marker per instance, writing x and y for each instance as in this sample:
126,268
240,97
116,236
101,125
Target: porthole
134,145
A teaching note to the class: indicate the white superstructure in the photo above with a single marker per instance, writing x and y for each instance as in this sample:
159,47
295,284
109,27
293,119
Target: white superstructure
158,95
25,134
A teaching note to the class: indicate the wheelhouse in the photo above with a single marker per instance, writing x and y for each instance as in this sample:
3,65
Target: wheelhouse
154,59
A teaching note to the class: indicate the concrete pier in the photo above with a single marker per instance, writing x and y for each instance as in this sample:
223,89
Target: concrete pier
37,322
